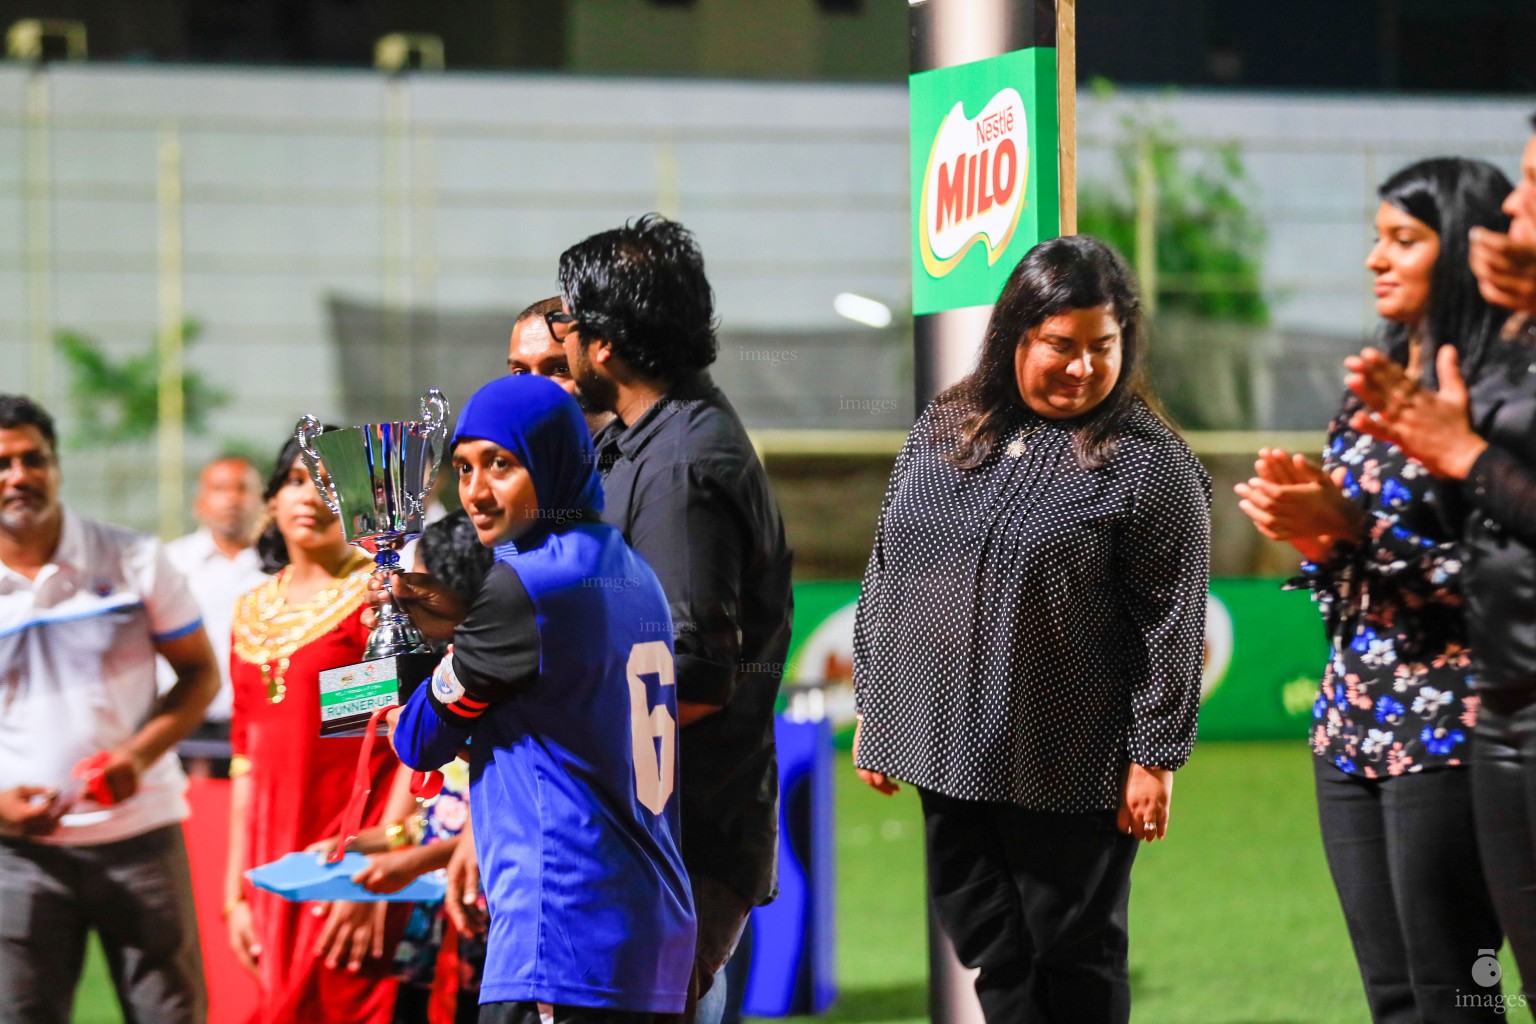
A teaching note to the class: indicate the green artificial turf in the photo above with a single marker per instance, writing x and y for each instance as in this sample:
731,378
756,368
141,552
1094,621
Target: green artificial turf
1233,918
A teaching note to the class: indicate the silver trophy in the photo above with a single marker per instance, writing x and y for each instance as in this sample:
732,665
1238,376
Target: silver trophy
380,475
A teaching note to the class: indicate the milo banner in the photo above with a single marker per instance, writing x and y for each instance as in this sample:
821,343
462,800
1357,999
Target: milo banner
984,174
1264,654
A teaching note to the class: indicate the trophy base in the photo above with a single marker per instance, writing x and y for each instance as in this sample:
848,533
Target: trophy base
350,694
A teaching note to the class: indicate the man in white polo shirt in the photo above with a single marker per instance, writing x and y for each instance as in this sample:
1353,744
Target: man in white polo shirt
220,565
84,609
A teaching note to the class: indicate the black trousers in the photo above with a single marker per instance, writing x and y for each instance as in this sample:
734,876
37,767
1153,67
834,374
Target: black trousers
1504,798
1037,903
1403,854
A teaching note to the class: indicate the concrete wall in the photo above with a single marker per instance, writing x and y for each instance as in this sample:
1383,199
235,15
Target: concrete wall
457,192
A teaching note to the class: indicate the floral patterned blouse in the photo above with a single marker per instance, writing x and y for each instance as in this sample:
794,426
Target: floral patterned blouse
1395,696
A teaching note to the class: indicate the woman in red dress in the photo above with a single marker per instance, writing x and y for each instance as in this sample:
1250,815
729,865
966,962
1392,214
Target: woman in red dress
315,963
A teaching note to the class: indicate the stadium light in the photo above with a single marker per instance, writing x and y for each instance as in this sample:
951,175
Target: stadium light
862,310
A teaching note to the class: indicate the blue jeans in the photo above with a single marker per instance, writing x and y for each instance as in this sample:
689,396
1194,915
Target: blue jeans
722,1003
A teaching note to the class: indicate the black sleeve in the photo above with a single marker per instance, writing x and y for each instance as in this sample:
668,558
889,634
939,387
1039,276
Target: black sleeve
1503,488
689,531
1166,568
496,648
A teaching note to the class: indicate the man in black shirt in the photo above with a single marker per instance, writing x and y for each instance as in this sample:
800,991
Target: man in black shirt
1484,437
686,489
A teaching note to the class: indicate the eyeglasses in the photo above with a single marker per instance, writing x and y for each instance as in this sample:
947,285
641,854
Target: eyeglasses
560,324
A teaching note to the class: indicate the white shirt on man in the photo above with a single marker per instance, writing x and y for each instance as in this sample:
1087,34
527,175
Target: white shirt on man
217,582
77,671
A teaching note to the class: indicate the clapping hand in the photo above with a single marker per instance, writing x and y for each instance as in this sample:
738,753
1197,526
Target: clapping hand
1430,426
1291,498
1506,270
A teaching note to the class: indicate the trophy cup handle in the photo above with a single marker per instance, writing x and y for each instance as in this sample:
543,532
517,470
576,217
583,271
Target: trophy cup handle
434,413
434,417
308,429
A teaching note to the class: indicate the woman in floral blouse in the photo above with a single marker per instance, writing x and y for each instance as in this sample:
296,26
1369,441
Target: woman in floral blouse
1378,535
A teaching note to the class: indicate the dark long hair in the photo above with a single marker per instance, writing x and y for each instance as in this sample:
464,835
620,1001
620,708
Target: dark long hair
1450,196
270,546
1060,274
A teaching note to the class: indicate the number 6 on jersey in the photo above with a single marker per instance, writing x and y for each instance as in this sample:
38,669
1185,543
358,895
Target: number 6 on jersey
654,778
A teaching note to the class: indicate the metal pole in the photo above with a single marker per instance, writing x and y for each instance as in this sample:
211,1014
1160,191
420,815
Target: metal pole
39,239
668,190
395,267
1146,224
171,435
424,202
947,33
1066,110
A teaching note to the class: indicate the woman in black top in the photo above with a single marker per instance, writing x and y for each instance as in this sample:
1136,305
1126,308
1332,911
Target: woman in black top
1393,720
1483,440
1028,643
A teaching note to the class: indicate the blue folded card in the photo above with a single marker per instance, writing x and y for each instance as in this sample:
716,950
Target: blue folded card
306,876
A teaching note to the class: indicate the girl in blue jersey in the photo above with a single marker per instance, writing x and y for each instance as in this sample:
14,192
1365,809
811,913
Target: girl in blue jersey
560,682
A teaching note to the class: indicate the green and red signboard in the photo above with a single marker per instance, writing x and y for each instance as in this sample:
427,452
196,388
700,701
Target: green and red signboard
1264,654
984,174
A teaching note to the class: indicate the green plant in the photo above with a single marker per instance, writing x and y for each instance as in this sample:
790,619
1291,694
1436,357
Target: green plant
1209,243
118,400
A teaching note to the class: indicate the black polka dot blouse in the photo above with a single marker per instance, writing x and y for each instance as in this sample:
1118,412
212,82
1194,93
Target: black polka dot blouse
1028,627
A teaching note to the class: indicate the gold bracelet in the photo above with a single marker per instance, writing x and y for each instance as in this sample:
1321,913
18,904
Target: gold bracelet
239,765
416,828
395,837
229,906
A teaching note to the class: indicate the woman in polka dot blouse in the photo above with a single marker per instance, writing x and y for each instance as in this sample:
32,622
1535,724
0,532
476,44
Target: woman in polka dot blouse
1029,638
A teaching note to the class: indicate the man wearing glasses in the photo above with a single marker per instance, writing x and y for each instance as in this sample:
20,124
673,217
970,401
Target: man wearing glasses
687,491
532,349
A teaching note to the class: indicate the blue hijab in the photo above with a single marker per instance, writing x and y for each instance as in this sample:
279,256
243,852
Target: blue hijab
534,419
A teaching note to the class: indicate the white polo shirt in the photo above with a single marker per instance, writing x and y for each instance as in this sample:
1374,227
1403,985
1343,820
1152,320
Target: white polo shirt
77,671
217,582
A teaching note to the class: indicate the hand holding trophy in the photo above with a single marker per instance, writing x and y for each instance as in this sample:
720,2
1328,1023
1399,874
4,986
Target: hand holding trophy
376,477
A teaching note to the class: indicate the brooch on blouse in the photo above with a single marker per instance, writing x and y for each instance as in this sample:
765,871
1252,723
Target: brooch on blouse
1019,445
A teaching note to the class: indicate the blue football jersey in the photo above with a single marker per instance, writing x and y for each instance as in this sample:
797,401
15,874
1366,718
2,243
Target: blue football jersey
562,680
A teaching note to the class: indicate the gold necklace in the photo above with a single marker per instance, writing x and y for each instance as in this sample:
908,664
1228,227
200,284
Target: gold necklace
267,629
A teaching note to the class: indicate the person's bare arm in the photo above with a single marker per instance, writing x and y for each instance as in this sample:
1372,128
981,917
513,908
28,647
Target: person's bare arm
237,911
178,713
